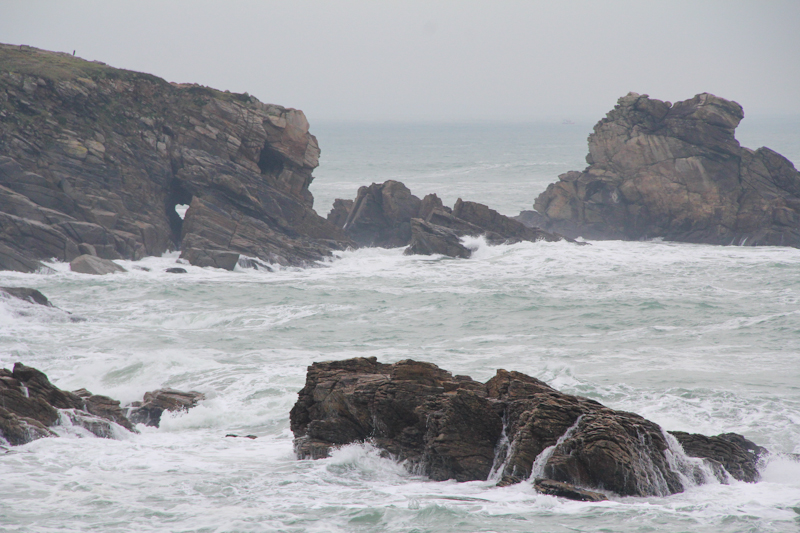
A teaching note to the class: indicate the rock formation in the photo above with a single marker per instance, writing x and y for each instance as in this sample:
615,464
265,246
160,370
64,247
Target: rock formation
150,409
389,216
93,160
30,405
509,429
676,172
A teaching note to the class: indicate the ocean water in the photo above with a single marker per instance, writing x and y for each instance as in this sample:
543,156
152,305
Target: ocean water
698,338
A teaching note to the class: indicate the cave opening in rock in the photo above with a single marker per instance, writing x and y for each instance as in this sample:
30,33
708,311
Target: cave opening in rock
177,202
270,161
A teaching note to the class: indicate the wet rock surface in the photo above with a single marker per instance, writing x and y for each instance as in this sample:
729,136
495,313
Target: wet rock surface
89,264
508,429
30,405
150,409
93,160
677,172
388,215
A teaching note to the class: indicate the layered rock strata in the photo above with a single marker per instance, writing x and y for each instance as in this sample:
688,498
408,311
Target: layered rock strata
388,215
508,429
677,172
93,160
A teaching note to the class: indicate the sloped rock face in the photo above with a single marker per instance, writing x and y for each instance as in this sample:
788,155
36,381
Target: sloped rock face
382,215
510,428
93,160
676,172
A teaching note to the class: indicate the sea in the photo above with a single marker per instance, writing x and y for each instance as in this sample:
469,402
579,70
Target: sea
697,338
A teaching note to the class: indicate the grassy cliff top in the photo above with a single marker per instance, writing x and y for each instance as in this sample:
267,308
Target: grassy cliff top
60,66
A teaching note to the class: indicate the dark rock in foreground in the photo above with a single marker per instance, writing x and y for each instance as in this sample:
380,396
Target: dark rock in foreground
565,490
93,160
26,294
510,428
30,405
388,215
676,172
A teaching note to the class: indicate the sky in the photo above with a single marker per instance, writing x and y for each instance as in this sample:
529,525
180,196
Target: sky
439,60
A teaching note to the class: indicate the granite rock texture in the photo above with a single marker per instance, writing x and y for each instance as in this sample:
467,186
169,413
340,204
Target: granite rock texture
93,160
677,172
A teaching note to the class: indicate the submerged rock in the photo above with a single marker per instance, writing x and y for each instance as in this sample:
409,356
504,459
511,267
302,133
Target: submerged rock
510,428
676,172
150,409
26,294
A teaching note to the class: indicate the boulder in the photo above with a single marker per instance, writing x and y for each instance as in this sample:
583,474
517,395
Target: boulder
509,428
150,409
89,264
177,270
429,239
93,160
675,172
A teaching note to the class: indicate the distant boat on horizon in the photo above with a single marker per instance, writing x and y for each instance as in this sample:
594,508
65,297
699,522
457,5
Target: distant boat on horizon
567,121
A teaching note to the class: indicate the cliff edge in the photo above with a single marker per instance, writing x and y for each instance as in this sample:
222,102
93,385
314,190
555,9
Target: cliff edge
94,159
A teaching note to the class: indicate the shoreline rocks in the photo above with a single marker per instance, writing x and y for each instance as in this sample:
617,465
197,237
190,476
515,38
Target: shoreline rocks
509,429
30,405
387,215
677,172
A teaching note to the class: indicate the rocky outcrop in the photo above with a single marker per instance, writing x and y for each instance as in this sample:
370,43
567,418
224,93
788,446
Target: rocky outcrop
150,409
509,429
30,406
383,215
676,172
93,160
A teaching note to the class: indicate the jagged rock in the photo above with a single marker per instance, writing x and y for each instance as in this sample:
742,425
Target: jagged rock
89,264
339,212
676,172
204,257
30,404
29,295
450,427
150,409
93,160
566,490
736,454
429,239
381,215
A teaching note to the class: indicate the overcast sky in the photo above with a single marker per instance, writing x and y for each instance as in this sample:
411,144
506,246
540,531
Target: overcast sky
427,60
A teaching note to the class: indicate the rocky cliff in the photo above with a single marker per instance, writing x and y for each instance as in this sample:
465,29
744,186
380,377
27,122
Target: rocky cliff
675,171
94,160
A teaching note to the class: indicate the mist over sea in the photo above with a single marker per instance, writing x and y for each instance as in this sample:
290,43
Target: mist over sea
694,337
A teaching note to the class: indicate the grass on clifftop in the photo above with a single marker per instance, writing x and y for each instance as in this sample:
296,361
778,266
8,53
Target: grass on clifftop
60,66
